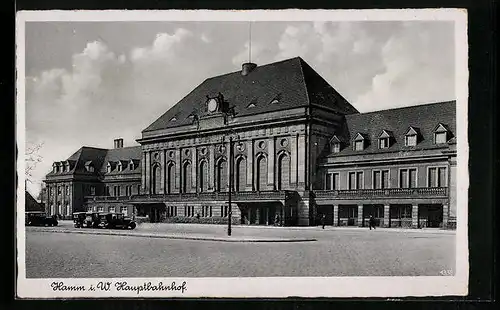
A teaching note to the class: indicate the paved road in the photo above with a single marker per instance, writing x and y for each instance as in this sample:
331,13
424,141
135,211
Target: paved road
336,253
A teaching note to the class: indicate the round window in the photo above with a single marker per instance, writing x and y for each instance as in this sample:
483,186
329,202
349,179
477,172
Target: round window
284,142
262,144
171,154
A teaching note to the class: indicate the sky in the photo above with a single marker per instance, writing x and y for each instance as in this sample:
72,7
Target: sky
88,83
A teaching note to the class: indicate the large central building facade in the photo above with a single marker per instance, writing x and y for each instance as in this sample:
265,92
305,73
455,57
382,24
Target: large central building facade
295,148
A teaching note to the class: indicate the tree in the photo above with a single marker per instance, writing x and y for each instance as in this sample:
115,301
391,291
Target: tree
32,157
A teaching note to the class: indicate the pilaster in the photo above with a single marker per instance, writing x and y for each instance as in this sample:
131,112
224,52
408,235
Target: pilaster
178,168
249,181
147,185
335,215
387,209
270,164
293,160
360,216
414,216
211,168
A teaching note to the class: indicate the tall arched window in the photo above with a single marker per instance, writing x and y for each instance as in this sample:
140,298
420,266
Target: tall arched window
203,176
186,177
170,178
283,171
261,173
221,176
241,174
156,179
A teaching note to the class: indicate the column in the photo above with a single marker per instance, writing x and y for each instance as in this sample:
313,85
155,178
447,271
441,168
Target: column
270,164
445,216
249,145
360,216
147,185
211,167
194,169
293,160
143,172
162,172
386,216
301,161
335,215
178,168
257,215
414,216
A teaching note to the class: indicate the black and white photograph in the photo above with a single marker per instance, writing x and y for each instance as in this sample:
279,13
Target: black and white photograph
316,153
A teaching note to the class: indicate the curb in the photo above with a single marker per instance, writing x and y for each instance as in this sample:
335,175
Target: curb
200,238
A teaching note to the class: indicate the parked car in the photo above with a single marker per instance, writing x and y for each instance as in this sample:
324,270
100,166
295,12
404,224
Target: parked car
39,218
86,219
116,220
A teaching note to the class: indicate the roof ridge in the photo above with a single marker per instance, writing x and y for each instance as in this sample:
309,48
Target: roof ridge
404,107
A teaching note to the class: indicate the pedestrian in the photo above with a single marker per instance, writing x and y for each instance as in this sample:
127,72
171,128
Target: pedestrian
323,219
277,220
371,222
197,215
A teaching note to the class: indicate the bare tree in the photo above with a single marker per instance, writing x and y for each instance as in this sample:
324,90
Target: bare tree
33,157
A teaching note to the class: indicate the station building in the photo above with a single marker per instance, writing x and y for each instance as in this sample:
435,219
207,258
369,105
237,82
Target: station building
294,148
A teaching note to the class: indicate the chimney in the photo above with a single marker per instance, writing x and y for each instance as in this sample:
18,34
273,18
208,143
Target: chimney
118,143
246,68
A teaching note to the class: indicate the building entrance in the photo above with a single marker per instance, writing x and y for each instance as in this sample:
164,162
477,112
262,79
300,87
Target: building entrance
326,210
153,213
262,214
377,211
348,215
430,215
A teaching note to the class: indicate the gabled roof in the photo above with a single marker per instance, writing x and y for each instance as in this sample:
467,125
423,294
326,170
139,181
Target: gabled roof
335,139
30,203
412,131
386,134
123,155
359,136
441,128
292,81
424,119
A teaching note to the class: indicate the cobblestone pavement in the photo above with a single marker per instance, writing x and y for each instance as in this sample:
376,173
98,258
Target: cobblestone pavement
338,252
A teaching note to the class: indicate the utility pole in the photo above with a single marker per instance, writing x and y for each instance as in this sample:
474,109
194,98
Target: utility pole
230,185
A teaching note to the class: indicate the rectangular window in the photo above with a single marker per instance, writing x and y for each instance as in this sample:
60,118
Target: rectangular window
383,143
437,177
92,190
138,189
118,191
441,177
328,181
336,147
112,209
403,178
59,190
89,209
67,190
385,179
352,180
335,180
412,174
100,209
440,137
359,180
377,184
124,210
411,140
358,145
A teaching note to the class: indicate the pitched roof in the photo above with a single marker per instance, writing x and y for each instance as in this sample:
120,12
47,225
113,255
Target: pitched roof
424,117
293,82
30,203
123,154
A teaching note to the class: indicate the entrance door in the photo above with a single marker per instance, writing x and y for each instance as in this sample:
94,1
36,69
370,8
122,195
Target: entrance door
348,215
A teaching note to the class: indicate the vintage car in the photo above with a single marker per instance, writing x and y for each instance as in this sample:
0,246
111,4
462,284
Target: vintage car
39,218
86,219
115,220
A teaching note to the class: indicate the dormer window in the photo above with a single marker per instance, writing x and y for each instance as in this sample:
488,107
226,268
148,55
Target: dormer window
251,105
173,119
440,134
54,168
411,136
275,101
119,167
131,165
89,167
335,144
384,139
359,142
109,168
66,166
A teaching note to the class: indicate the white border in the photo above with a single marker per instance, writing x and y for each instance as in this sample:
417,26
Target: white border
277,286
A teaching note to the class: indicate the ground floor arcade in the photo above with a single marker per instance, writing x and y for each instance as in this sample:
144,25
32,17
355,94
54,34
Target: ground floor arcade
385,215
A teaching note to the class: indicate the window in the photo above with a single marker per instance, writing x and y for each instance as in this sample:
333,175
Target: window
411,140
336,147
355,180
358,145
112,209
89,209
380,179
120,167
223,211
118,191
383,143
131,166
92,190
54,167
108,168
251,105
59,190
124,210
90,168
67,190
138,189
408,178
100,209
440,137
332,181
437,177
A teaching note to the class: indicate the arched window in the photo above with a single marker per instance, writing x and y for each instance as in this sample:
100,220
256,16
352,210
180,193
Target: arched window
170,178
261,173
283,171
241,174
221,176
186,177
203,176
156,179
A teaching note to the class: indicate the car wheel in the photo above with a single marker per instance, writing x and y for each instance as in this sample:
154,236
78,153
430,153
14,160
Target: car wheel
132,225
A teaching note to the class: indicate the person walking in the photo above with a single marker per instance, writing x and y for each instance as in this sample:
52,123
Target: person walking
371,222
323,219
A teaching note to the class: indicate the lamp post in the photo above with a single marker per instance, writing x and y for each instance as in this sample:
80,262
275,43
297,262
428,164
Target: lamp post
230,186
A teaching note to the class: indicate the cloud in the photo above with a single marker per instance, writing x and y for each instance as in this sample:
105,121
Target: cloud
260,54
